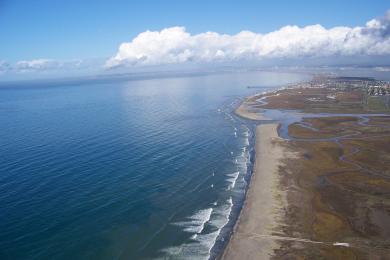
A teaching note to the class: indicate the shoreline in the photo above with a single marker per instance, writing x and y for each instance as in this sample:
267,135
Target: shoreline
259,217
320,188
243,111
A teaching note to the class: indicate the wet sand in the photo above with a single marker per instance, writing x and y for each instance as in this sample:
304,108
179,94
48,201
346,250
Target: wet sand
252,237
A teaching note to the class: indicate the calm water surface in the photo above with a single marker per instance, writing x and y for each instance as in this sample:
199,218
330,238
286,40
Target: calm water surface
131,170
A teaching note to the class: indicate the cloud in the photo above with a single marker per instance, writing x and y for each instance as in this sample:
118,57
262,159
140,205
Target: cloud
176,45
42,66
4,66
36,65
382,69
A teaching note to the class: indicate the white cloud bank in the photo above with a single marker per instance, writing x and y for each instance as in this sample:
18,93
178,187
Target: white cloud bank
36,65
176,45
39,65
42,67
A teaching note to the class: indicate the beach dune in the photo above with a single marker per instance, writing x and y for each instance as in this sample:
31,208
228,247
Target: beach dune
252,236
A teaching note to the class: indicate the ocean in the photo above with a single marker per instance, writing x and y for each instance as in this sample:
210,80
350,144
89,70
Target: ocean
143,169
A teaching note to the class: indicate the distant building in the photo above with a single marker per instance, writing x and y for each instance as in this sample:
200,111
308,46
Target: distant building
379,90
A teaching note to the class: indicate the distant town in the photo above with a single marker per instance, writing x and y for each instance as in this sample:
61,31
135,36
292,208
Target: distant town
371,86
375,92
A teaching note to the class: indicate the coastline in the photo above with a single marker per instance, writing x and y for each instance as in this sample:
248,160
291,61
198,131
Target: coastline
316,191
243,110
261,212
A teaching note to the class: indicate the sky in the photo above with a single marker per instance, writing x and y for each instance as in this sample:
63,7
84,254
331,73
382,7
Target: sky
55,37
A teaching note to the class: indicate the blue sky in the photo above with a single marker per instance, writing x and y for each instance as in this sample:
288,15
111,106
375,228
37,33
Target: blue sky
72,30
94,29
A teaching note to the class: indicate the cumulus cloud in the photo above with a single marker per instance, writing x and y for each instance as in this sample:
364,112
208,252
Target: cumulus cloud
176,45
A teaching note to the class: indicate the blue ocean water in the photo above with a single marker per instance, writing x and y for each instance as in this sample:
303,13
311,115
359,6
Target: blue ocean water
153,168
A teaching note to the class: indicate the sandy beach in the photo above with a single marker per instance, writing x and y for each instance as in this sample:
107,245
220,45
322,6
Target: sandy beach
259,218
244,110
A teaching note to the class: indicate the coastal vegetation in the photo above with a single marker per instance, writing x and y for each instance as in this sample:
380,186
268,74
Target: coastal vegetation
343,176
334,172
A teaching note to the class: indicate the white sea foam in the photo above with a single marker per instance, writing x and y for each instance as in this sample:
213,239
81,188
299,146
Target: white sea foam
206,225
202,243
246,141
219,220
245,134
232,179
242,160
229,117
196,223
246,131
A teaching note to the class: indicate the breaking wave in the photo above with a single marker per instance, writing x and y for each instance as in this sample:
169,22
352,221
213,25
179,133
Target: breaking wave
205,226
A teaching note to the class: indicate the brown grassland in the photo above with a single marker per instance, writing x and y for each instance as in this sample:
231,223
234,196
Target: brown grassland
338,189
